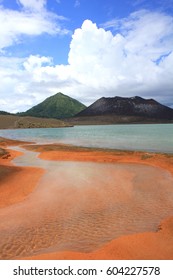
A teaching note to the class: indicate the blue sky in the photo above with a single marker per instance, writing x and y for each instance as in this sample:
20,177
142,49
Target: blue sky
74,13
86,49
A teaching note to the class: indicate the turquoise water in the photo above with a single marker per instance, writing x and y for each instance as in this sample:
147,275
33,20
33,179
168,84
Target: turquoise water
144,137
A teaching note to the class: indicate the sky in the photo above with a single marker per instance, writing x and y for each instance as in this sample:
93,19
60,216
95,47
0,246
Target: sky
85,49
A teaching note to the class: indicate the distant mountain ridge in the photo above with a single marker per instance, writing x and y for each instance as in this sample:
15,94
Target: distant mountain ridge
5,113
121,106
58,106
106,110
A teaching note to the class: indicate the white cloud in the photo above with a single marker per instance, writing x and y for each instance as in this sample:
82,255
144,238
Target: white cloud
136,60
146,33
123,64
34,5
36,62
27,22
77,3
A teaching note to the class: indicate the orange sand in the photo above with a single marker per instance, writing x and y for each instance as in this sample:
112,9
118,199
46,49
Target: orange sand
142,246
72,153
148,245
11,191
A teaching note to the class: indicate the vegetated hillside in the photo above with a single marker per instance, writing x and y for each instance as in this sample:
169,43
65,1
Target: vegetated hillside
58,106
124,110
5,113
12,121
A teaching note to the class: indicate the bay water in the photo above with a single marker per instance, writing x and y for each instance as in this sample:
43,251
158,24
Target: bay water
144,137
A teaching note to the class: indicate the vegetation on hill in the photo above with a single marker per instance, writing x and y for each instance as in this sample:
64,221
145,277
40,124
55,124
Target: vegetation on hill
12,121
110,110
5,113
58,106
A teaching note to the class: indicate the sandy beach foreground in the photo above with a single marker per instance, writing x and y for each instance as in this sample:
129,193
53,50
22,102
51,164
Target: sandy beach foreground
81,203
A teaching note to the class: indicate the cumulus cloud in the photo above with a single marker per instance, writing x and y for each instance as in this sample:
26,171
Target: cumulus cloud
36,62
146,33
130,61
133,56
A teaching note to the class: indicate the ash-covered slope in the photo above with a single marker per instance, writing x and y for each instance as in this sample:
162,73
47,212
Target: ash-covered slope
134,106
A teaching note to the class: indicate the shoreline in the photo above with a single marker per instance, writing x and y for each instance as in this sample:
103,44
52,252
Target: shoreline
10,190
147,245
66,152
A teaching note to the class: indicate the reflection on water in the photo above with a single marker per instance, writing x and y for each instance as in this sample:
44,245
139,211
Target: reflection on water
81,206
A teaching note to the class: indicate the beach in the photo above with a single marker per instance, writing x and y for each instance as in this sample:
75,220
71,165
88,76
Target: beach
84,203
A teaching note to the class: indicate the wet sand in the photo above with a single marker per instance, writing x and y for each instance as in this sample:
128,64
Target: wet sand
83,203
16,183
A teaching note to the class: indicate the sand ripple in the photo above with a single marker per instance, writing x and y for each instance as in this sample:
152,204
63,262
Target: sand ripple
81,206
